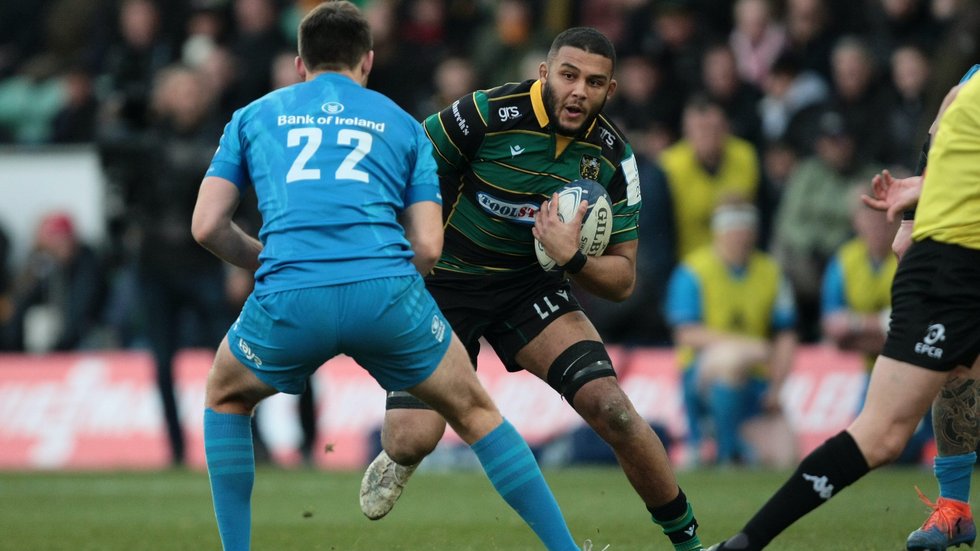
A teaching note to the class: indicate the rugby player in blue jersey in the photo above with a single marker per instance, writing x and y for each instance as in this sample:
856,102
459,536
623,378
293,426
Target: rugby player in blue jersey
347,187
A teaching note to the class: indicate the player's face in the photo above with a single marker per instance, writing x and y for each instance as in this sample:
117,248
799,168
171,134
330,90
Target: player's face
576,87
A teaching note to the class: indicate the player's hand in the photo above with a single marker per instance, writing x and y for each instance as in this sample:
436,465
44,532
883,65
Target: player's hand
903,238
893,195
559,239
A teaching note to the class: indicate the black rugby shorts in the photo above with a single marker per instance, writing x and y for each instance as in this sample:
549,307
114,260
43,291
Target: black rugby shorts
507,311
935,318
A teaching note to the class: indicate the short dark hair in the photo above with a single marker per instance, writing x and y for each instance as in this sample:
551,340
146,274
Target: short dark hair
334,36
701,102
587,39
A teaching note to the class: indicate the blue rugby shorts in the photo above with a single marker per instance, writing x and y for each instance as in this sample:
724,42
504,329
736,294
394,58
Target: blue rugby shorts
390,326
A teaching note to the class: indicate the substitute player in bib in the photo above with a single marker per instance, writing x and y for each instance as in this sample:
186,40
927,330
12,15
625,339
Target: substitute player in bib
933,340
501,153
350,206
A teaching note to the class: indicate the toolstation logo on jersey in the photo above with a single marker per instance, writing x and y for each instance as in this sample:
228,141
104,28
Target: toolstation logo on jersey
519,212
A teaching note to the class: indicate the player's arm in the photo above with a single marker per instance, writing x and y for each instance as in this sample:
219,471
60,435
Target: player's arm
217,199
456,133
213,227
894,195
611,276
422,217
423,229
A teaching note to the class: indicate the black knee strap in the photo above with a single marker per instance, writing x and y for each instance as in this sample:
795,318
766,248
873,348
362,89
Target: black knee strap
400,399
580,363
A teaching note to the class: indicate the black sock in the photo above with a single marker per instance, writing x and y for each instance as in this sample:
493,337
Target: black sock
678,522
833,466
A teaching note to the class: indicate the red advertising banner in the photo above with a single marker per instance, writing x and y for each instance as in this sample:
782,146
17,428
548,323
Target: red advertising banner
102,410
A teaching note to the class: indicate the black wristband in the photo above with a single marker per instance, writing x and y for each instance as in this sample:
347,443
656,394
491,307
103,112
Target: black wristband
575,264
908,214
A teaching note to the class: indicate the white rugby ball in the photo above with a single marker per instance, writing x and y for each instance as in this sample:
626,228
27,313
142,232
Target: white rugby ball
596,226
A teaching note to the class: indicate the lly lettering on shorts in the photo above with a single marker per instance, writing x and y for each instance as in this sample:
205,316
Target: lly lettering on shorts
548,307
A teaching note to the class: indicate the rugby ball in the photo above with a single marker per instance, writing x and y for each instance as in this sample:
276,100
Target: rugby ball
596,226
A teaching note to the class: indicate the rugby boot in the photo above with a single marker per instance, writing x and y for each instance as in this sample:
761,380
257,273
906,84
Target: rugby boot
382,485
949,525
738,542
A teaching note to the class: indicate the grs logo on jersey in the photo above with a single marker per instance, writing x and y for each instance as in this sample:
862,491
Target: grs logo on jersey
332,107
507,113
460,121
606,136
589,167
518,212
935,334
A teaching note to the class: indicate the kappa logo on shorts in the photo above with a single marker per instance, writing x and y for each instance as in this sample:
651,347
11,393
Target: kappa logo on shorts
935,334
247,350
438,328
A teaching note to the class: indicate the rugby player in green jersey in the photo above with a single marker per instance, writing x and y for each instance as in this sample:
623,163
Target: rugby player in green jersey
502,154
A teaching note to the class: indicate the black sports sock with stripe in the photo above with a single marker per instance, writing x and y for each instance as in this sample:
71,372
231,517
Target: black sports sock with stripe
833,466
678,522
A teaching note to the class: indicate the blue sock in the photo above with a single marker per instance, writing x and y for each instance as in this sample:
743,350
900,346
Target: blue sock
515,474
953,473
231,467
726,410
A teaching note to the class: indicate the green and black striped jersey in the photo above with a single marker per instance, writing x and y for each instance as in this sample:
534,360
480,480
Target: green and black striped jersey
499,158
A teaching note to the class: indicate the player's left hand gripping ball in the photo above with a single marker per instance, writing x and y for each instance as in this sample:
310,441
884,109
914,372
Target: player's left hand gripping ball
596,225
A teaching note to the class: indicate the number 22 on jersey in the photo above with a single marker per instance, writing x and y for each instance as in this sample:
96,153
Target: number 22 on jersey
311,137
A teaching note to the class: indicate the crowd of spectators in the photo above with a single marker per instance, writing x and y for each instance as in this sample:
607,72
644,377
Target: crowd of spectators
784,103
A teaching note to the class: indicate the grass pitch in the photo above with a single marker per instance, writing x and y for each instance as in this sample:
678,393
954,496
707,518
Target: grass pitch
306,510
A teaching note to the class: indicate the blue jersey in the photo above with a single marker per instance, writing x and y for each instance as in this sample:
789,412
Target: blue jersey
333,165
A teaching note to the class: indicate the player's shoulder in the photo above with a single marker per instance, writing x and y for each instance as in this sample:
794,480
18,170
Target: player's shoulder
508,106
377,102
508,92
346,99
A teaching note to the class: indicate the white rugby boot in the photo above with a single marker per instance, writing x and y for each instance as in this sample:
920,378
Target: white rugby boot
382,485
